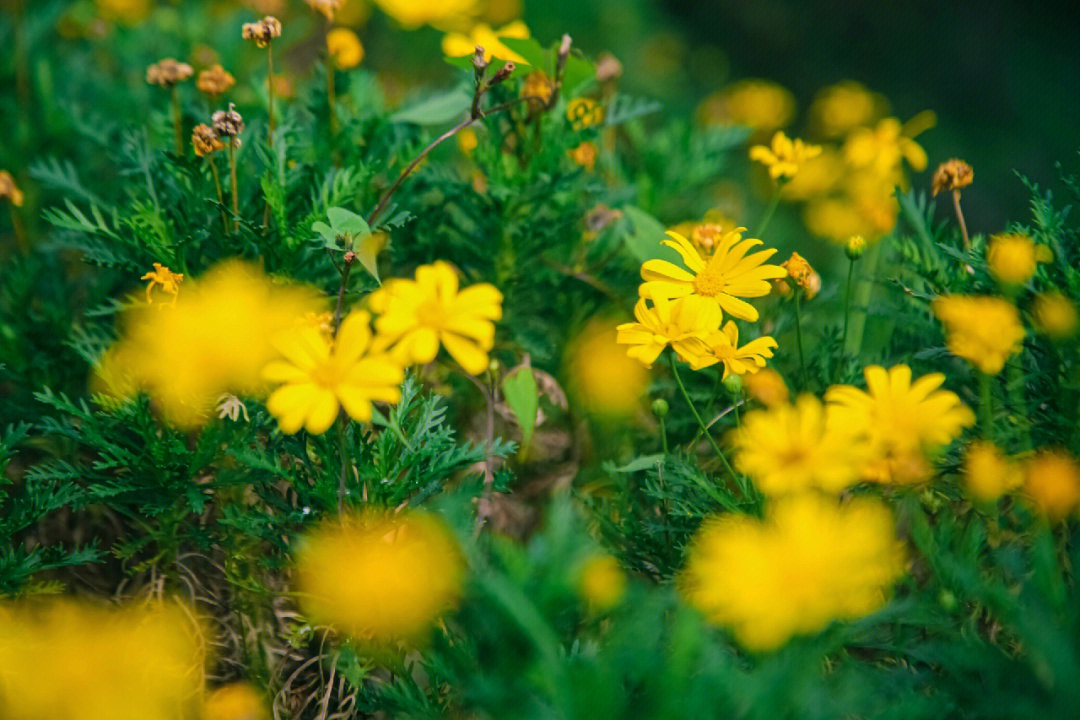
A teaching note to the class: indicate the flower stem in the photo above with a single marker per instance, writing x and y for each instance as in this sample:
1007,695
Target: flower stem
232,181
220,195
20,232
862,292
330,96
960,219
701,422
798,335
270,90
663,436
178,122
847,309
344,456
986,407
769,211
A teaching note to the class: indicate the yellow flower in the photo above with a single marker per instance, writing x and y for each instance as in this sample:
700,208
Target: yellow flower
809,562
62,659
1052,481
601,582
459,45
802,275
952,175
215,339
883,147
584,113
538,85
317,375
215,81
1054,315
167,279
416,316
983,330
903,418
344,47
785,156
840,108
989,474
584,155
816,177
792,448
723,277
1012,258
759,104
380,577
745,360
682,323
604,379
237,701
414,13
9,190
767,387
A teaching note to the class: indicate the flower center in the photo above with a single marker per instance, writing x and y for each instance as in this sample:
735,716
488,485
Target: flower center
709,283
326,375
431,313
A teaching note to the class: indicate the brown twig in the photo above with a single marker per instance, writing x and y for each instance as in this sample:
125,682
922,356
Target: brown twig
960,219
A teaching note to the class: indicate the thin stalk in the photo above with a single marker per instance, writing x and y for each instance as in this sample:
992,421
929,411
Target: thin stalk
232,180
330,97
862,292
220,195
986,407
350,258
663,436
343,451
700,421
270,90
798,335
769,211
847,313
20,232
960,219
178,122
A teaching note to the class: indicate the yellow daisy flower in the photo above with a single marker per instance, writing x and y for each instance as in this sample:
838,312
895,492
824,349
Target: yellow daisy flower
416,316
749,358
682,323
317,375
785,156
791,448
988,473
903,418
983,330
723,277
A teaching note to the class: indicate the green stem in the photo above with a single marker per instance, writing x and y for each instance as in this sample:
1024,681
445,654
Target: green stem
178,122
701,422
798,336
986,407
769,211
863,289
232,183
344,455
847,301
270,92
663,436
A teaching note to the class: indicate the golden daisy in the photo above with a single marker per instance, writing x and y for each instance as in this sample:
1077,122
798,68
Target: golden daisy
785,156
749,358
723,277
682,323
983,330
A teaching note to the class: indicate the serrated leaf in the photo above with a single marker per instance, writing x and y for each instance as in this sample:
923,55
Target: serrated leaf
643,234
519,389
438,109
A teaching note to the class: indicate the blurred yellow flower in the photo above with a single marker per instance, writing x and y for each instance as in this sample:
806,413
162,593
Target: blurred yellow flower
166,278
784,156
380,577
584,113
317,375
758,104
215,339
601,582
988,473
817,176
1011,258
793,448
839,109
983,330
237,701
1052,481
538,85
837,218
603,377
767,387
1054,315
414,13
458,45
9,190
326,7
682,323
61,659
344,47
746,360
883,147
952,175
808,563
723,277
903,418
584,155
416,316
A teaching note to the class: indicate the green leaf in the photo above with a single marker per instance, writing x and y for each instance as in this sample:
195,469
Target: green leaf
438,109
534,54
643,233
519,388
347,222
638,464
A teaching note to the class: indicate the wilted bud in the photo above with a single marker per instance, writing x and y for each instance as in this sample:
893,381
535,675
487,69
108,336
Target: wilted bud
608,68
263,31
564,53
855,247
168,72
952,175
503,73
228,123
215,81
205,141
479,63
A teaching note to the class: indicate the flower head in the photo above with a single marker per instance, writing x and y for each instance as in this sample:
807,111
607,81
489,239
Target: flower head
236,701
416,316
603,377
745,360
538,85
1054,315
682,323
722,278
205,140
839,109
584,155
601,582
802,275
809,562
168,72
584,113
792,448
759,104
1012,258
215,81
904,419
344,47
1052,481
983,330
785,156
262,31
952,175
228,123
883,147
9,190
988,473
767,387
460,45
414,13
317,376
166,278
380,577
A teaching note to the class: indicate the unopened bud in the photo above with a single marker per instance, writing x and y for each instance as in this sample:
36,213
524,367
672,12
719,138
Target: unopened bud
734,384
856,246
660,408
503,73
350,256
478,61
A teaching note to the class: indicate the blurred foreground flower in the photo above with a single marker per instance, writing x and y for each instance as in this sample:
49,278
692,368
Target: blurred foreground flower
416,316
1054,315
63,660
601,582
215,338
482,35
1052,481
983,330
988,473
380,577
809,562
238,701
759,104
767,387
839,109
414,13
344,47
904,419
1012,258
784,157
604,378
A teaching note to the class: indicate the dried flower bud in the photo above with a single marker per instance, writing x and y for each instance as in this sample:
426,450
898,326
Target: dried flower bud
168,72
263,31
952,175
478,61
228,123
215,81
503,73
705,236
9,190
205,140
856,246
802,275
608,68
564,53
326,7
